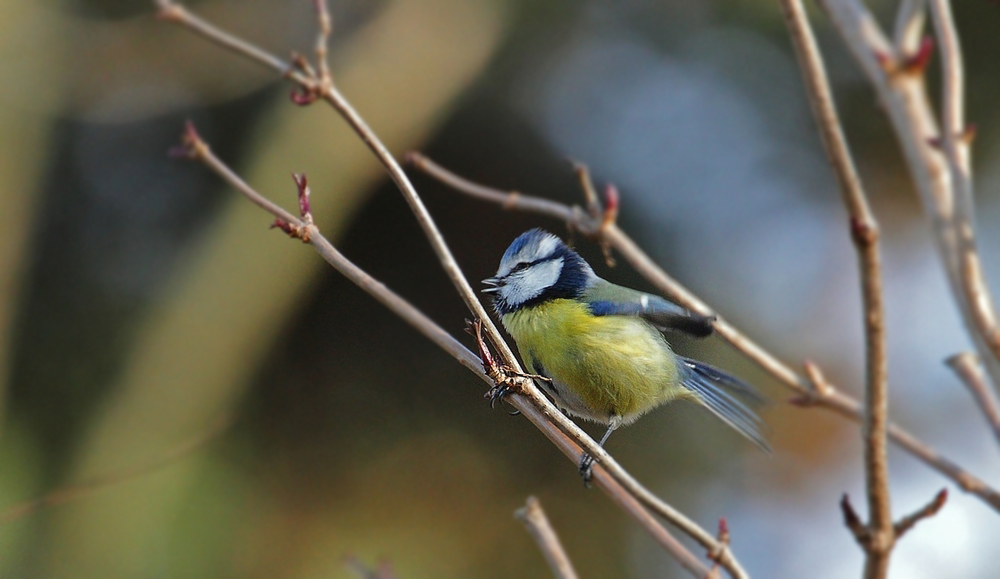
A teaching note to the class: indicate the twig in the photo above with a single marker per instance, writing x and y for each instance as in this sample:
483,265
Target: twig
176,13
929,510
865,234
828,397
862,533
99,483
534,519
313,88
968,368
543,418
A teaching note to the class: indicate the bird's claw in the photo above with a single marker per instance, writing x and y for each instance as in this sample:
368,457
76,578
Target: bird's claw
497,393
586,469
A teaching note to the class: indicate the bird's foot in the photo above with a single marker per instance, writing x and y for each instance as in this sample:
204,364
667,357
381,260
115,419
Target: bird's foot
586,469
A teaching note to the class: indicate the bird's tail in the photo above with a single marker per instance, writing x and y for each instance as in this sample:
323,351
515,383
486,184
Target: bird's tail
721,394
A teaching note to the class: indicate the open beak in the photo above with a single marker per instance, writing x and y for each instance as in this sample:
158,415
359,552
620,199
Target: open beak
493,283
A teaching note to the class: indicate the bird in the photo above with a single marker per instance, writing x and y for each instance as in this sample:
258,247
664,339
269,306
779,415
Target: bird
600,347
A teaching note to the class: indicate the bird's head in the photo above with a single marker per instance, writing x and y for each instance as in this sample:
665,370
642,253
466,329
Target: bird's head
538,267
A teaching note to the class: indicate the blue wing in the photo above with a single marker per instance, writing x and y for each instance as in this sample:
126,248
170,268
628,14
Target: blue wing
608,299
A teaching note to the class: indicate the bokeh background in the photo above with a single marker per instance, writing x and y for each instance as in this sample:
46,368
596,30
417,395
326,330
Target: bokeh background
143,304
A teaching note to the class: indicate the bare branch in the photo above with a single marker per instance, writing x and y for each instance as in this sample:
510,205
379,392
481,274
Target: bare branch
510,200
534,519
862,533
929,510
541,416
969,369
176,13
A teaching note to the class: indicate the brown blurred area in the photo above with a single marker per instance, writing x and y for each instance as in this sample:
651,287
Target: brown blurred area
142,301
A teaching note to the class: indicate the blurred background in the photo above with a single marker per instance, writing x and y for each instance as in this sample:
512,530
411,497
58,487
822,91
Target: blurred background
261,417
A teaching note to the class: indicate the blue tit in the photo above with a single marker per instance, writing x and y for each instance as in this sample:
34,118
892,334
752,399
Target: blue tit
600,344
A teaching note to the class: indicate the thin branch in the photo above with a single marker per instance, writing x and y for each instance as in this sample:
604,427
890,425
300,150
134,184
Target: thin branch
533,517
829,398
313,89
865,234
96,484
542,418
176,13
970,370
929,510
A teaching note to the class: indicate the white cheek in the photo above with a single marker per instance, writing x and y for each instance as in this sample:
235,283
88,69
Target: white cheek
530,283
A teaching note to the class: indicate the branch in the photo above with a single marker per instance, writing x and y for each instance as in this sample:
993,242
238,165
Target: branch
929,510
312,88
805,390
865,234
968,368
543,418
534,519
862,533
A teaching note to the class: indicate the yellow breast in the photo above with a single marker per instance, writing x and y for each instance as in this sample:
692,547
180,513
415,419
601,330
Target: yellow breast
615,365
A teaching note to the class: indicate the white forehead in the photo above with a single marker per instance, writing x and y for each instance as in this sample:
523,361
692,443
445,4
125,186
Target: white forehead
528,247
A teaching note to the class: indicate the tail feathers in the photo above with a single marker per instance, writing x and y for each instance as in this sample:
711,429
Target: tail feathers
718,391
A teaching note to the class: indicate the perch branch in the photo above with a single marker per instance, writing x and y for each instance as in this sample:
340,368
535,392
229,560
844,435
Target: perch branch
829,397
303,228
533,517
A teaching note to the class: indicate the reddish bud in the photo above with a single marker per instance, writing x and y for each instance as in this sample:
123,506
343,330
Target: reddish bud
283,225
611,203
191,144
303,185
611,198
969,134
887,62
723,531
179,152
917,62
802,401
303,97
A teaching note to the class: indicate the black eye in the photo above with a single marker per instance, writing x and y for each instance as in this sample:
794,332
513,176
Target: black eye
519,267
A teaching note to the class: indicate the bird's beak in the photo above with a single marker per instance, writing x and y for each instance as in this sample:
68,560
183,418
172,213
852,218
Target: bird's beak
493,283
